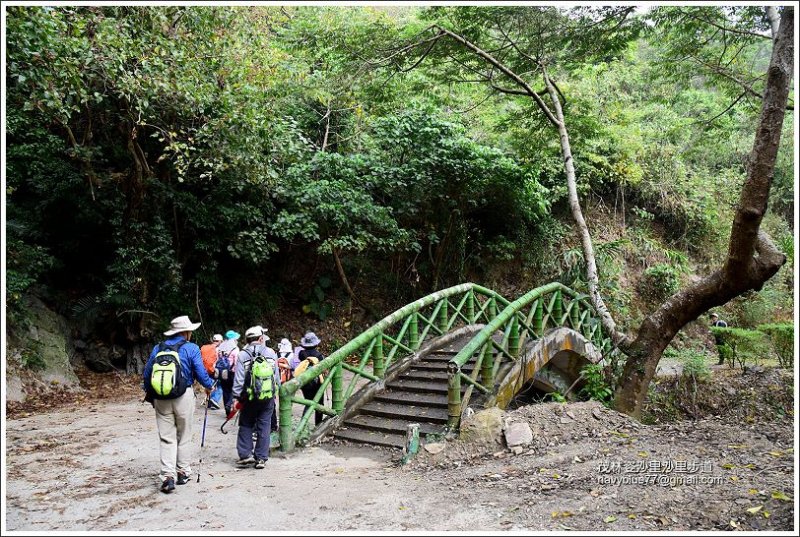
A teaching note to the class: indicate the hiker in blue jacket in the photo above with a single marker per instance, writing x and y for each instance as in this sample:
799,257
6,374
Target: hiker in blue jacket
172,397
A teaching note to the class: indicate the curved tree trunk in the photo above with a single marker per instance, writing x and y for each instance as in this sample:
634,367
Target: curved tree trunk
752,258
586,239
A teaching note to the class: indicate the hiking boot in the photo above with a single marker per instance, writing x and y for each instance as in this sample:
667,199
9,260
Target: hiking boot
182,478
245,461
260,463
168,485
213,405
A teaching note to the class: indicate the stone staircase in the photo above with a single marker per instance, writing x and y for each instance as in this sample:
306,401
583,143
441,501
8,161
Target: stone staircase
419,395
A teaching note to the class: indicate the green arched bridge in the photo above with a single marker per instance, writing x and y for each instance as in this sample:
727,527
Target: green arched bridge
430,360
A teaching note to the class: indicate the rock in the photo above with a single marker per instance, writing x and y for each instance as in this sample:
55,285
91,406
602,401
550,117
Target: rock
518,434
597,414
483,426
14,390
49,345
517,450
434,448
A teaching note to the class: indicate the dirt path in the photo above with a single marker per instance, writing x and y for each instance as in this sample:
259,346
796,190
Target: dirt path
95,468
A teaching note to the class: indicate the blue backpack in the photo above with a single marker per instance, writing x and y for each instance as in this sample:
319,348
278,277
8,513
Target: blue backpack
222,367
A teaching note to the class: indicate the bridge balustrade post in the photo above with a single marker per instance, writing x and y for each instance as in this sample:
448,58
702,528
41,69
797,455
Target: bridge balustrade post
453,395
378,366
413,332
442,324
285,421
558,311
487,366
470,306
337,384
575,317
513,338
492,309
537,318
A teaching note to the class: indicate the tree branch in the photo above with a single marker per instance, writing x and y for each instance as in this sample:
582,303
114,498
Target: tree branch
505,70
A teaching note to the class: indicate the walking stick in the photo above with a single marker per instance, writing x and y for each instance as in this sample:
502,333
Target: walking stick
203,436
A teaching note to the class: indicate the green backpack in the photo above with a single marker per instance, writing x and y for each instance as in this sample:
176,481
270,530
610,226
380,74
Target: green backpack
166,379
261,382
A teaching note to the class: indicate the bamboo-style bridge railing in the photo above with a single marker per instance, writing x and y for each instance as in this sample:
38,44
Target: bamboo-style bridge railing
527,317
397,335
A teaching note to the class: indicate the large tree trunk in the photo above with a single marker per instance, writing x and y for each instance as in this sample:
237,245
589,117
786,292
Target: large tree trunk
752,258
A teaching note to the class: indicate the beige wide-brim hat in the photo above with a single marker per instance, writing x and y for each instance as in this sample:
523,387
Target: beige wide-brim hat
181,324
310,340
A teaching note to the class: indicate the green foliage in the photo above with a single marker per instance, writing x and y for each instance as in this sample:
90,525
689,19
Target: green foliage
743,346
31,357
167,158
781,335
556,397
596,386
659,282
317,302
694,365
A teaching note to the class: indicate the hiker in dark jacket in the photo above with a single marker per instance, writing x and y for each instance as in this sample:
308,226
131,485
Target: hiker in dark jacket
309,357
716,321
256,413
174,416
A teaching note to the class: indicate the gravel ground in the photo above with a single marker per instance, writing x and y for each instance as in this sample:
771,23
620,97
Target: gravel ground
94,467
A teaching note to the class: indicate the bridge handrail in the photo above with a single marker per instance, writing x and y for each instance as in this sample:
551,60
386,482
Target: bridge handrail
374,337
510,319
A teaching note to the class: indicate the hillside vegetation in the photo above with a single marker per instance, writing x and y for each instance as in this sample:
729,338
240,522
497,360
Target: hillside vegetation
279,165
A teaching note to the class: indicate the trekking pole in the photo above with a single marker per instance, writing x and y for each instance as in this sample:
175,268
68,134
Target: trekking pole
203,436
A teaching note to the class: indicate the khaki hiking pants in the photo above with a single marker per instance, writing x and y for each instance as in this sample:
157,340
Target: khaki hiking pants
174,419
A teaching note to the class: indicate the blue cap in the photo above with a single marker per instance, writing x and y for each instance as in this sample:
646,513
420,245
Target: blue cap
232,334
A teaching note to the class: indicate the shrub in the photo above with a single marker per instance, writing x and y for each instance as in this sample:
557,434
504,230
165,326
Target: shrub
659,282
694,365
782,338
596,387
744,345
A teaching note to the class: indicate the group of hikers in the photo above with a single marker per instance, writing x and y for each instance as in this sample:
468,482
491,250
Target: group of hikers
245,380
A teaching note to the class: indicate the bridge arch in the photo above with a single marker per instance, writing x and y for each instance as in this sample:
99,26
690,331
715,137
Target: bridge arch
561,350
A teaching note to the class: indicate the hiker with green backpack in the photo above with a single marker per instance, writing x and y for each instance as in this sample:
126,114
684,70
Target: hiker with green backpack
255,387
169,375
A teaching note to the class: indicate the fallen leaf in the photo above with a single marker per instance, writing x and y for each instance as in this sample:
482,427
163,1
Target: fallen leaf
609,519
632,516
754,510
643,454
779,495
752,491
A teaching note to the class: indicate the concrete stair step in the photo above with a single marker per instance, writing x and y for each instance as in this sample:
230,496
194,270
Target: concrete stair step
391,425
409,413
421,386
355,434
412,398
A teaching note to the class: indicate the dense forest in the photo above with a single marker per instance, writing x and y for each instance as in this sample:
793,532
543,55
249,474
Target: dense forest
272,162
